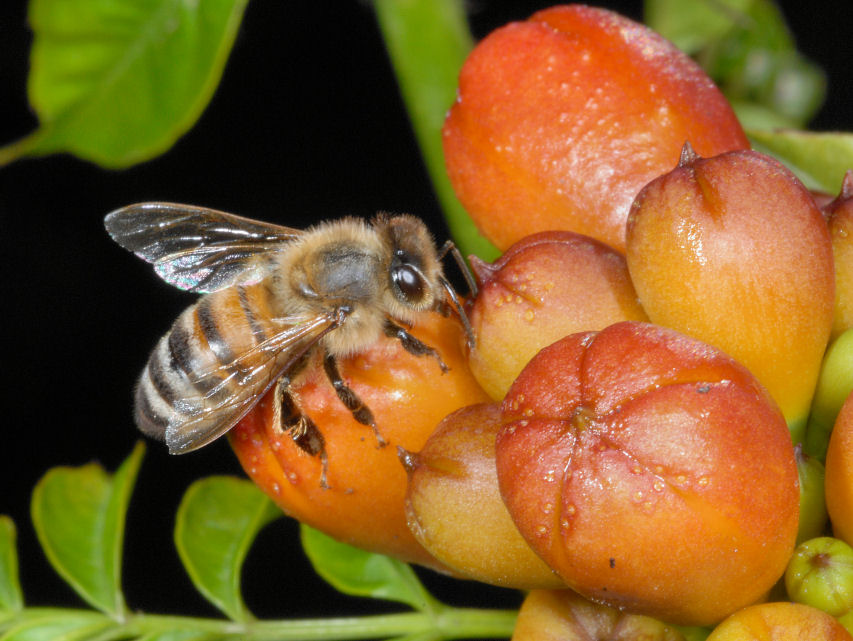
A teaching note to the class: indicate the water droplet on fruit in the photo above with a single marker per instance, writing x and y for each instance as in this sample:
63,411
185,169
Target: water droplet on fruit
529,315
548,508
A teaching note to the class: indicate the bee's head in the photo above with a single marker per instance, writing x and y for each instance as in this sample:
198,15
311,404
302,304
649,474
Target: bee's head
413,266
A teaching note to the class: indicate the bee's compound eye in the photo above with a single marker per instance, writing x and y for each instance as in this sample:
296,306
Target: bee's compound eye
409,282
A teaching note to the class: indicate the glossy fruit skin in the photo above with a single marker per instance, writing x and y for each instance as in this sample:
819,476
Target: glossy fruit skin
558,615
408,395
840,214
839,474
780,622
454,506
561,120
733,251
820,574
637,483
813,514
834,385
544,287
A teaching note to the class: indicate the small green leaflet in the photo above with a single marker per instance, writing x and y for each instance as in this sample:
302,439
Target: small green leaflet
746,47
218,519
359,573
119,81
819,159
427,41
79,517
11,599
58,624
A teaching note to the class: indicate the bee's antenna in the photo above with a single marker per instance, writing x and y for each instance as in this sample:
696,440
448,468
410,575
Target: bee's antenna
450,247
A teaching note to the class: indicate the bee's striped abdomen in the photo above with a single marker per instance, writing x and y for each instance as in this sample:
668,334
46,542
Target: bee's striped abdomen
202,361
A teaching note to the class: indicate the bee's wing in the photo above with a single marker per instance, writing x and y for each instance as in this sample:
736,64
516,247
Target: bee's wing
234,388
195,248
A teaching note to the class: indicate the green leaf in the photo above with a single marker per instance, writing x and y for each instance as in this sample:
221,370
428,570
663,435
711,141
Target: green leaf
60,625
752,115
692,26
428,41
119,81
11,599
359,573
820,159
747,49
79,515
216,523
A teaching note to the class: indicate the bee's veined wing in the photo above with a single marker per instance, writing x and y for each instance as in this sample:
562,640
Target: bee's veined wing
195,248
235,387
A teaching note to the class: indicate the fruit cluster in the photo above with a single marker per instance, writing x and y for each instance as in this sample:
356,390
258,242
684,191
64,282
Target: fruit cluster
631,421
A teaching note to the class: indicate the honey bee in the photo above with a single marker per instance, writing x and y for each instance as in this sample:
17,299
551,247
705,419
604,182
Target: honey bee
273,296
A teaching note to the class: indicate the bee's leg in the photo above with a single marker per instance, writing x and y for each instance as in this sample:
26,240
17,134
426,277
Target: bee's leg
412,344
350,399
302,429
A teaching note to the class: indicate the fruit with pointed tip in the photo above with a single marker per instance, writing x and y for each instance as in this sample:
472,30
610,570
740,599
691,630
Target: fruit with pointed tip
558,615
546,286
364,504
454,506
839,474
560,120
780,621
733,251
630,461
840,214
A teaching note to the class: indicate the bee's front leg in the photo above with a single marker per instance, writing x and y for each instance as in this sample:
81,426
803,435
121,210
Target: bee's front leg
412,344
360,411
302,429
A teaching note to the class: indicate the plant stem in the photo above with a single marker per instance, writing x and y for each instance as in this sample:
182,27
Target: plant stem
427,41
445,623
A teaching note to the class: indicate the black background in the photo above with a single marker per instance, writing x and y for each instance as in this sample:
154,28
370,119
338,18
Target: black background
306,125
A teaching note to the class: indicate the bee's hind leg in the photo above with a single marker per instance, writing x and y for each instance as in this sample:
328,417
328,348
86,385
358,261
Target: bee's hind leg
360,412
302,429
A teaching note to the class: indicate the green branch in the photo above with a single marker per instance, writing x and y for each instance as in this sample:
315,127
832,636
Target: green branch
79,515
427,41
